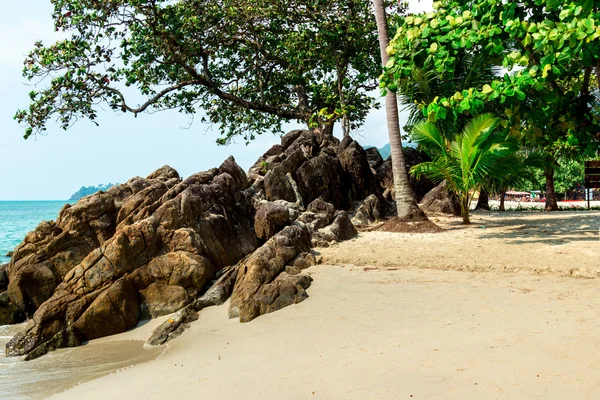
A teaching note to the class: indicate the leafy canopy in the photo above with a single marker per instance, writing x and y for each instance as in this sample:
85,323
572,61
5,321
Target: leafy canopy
549,47
248,64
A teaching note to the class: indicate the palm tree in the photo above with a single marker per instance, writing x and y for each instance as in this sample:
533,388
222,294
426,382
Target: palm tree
468,159
406,203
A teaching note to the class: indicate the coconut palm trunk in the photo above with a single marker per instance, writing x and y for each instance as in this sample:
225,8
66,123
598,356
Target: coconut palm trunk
465,208
405,198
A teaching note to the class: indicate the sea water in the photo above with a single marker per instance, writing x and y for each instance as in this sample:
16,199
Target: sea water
61,369
17,218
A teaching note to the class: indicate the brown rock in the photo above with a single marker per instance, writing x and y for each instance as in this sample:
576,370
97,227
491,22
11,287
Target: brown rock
3,278
441,200
158,299
321,177
277,186
285,290
114,311
374,158
9,312
270,218
369,211
340,229
261,268
357,171
158,263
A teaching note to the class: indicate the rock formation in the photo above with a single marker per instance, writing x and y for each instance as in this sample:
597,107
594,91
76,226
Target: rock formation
440,200
159,245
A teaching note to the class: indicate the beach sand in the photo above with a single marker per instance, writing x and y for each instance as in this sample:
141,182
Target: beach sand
471,313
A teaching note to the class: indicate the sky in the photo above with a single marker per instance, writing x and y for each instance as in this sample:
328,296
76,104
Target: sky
53,166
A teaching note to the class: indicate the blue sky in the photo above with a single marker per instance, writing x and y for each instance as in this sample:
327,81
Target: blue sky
56,165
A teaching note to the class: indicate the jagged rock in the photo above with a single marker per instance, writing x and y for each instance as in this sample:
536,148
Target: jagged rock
164,173
151,264
441,200
248,300
3,278
169,282
357,171
369,211
270,218
318,215
301,262
340,229
374,158
53,249
9,254
277,186
283,291
218,293
321,177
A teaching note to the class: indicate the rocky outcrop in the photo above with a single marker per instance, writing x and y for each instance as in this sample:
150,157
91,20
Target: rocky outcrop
440,200
53,249
259,286
154,245
153,265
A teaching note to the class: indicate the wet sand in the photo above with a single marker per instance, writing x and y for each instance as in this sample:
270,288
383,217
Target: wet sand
503,315
62,369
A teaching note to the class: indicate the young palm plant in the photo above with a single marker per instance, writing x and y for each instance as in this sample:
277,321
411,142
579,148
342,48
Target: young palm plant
468,159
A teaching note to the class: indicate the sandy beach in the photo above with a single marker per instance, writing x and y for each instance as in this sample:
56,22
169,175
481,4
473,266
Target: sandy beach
500,312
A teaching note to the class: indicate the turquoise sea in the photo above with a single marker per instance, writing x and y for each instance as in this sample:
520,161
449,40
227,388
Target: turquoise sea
17,218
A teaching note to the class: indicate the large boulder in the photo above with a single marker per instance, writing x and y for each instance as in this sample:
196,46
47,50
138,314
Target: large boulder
358,176
270,218
251,297
340,229
370,210
441,200
322,177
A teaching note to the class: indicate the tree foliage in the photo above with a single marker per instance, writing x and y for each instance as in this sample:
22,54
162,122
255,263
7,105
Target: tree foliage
549,50
248,64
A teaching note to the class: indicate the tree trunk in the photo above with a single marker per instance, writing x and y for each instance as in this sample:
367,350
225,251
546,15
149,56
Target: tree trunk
502,196
551,201
405,198
483,203
465,209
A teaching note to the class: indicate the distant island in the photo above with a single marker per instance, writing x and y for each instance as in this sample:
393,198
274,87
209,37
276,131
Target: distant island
87,190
